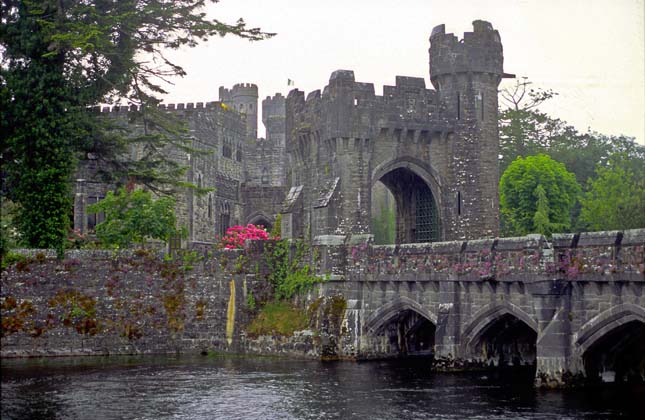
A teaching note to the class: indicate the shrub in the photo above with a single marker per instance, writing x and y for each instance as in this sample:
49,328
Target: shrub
236,236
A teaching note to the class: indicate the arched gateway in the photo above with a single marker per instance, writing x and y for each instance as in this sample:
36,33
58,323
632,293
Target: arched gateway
414,188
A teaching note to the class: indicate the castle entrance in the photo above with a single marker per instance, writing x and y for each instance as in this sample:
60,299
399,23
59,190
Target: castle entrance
404,208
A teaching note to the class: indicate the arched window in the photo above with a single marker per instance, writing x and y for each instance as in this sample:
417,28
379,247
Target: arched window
224,218
265,176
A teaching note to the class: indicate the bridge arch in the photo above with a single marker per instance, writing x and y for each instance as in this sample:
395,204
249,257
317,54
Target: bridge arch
416,188
390,310
606,321
611,345
404,327
501,334
489,313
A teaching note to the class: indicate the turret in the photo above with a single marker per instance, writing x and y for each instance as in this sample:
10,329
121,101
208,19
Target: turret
466,74
243,97
462,70
273,162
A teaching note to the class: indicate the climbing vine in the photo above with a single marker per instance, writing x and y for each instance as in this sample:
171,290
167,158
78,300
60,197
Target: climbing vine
289,276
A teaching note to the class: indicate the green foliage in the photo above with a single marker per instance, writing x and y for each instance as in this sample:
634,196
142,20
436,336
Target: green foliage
541,222
11,258
61,57
189,259
526,131
276,232
134,217
9,234
537,184
296,282
278,318
289,276
250,301
523,129
616,198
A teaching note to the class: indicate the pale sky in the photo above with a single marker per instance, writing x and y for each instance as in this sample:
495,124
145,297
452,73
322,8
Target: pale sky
592,52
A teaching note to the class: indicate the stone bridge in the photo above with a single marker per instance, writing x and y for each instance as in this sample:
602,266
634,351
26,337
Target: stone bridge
570,307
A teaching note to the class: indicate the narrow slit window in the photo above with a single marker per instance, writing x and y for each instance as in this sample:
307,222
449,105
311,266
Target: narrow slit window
458,106
481,102
459,203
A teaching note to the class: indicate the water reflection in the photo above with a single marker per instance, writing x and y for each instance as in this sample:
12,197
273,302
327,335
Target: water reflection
247,388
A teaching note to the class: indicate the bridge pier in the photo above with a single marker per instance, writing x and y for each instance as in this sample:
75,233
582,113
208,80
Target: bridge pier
447,340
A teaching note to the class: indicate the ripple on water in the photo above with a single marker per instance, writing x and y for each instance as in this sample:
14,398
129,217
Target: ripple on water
223,388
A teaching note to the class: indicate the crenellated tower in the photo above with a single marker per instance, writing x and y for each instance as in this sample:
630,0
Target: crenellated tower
243,97
466,74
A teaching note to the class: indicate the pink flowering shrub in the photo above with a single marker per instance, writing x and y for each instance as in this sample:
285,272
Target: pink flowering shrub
237,235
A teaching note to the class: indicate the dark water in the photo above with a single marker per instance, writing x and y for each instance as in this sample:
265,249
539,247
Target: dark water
263,388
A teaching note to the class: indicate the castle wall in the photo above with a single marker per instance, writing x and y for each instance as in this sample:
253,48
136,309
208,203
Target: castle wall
218,134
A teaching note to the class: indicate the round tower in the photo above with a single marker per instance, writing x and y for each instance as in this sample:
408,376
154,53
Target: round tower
244,98
466,74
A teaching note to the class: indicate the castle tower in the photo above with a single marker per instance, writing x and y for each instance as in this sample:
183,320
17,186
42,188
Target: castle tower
243,97
273,117
466,75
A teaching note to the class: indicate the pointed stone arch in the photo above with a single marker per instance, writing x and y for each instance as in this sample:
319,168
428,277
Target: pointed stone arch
260,218
386,313
423,169
488,314
605,322
416,189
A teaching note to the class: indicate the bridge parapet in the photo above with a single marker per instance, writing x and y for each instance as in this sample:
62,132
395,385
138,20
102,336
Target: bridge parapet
504,259
583,256
607,255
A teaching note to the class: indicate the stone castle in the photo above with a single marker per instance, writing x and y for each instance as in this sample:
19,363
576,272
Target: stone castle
434,150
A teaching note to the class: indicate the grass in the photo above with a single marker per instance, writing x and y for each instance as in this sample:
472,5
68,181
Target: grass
278,318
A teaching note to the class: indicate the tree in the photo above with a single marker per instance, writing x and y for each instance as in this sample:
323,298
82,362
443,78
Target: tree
134,217
537,195
524,130
616,198
61,57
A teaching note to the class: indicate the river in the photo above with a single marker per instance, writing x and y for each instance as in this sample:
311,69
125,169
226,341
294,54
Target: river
266,388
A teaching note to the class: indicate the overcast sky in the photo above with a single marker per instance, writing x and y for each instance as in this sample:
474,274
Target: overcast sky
592,52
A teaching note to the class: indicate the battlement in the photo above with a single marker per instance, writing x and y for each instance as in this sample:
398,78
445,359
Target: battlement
408,99
410,82
237,92
273,106
124,109
245,86
479,51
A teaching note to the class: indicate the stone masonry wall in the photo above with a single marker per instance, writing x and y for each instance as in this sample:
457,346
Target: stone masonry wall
96,302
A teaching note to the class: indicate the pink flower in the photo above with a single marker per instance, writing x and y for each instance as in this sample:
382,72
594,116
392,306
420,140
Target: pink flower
236,236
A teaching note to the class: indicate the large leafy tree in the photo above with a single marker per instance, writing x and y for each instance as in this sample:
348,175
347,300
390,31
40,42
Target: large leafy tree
135,217
616,197
60,57
537,195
